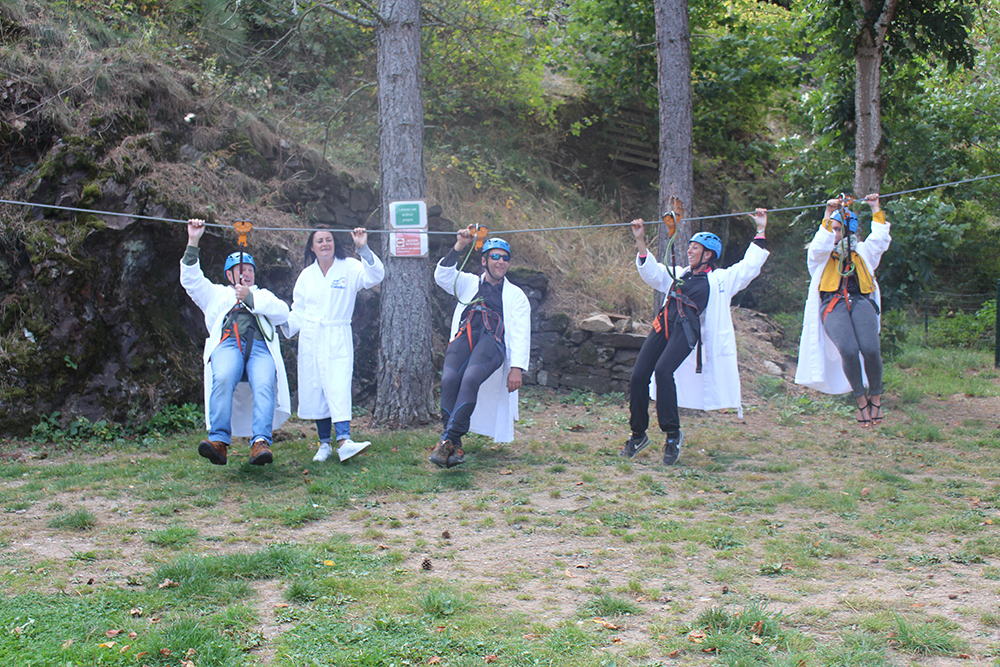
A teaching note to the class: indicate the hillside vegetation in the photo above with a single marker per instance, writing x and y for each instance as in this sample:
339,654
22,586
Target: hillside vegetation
267,112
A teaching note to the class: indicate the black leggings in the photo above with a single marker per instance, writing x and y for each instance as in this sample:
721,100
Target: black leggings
465,369
855,332
663,357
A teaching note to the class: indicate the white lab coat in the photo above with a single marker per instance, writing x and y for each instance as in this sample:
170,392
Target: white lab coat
820,366
496,408
322,308
215,302
718,385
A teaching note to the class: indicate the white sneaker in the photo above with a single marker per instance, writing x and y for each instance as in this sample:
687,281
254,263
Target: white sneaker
349,448
325,452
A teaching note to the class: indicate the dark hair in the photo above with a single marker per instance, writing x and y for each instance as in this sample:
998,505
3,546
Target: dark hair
338,249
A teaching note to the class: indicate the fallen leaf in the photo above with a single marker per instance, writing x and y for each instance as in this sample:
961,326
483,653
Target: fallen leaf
673,654
756,640
382,546
141,654
697,636
441,628
112,633
124,648
492,657
433,660
329,563
582,566
530,636
165,652
167,583
280,605
107,644
579,483
988,522
709,649
133,635
67,644
864,492
757,627
616,640
135,611
607,624
964,656
187,663
507,472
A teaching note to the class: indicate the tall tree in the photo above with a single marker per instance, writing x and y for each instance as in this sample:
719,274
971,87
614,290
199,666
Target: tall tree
910,31
405,376
673,47
871,159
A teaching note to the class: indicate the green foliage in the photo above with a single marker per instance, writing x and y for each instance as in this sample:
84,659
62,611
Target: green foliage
925,638
488,55
965,330
893,333
741,67
175,418
926,236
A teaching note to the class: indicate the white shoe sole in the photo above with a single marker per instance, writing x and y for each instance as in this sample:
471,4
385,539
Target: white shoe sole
347,451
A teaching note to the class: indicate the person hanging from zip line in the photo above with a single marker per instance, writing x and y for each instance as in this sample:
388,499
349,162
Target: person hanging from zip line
322,308
242,343
840,324
491,341
695,316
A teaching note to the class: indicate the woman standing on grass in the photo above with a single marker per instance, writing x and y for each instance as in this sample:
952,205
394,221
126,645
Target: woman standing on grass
840,325
695,316
322,308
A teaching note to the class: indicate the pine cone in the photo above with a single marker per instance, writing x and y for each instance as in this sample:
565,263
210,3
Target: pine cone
426,565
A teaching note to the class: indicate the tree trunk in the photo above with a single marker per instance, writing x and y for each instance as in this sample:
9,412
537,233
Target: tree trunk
870,160
406,375
673,48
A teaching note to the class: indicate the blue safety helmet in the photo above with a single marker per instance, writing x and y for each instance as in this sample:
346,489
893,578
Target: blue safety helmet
494,244
239,258
710,241
852,220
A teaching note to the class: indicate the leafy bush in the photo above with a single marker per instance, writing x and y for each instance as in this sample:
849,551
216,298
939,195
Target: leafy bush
893,333
965,330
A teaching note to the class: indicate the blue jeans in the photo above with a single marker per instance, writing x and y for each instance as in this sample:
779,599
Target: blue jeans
227,370
343,430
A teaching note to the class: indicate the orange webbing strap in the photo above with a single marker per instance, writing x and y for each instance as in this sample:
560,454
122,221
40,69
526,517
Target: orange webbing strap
833,302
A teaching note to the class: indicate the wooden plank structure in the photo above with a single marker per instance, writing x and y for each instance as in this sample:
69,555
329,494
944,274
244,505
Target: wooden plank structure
633,135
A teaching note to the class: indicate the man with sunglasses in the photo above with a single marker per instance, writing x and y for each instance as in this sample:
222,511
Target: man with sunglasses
491,340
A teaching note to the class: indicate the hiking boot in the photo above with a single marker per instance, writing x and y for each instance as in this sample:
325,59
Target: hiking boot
349,448
324,452
634,445
672,448
457,457
214,451
441,452
260,453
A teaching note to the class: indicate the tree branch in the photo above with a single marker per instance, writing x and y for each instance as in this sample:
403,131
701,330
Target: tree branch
357,20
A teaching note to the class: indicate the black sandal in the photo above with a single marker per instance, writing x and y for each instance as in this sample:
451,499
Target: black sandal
864,422
875,413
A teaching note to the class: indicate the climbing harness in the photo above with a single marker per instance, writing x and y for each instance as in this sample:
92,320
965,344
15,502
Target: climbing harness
660,323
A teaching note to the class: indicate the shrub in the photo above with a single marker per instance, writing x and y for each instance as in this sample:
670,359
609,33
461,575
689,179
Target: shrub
965,330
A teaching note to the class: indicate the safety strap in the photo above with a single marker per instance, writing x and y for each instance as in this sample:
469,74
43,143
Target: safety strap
837,296
485,313
661,321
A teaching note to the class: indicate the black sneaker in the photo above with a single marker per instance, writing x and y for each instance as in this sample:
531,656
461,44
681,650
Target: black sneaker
441,453
672,448
634,445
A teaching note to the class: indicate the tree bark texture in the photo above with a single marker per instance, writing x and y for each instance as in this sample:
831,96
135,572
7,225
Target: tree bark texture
870,159
673,48
406,375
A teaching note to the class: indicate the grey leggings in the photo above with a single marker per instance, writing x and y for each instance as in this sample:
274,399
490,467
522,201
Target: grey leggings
853,332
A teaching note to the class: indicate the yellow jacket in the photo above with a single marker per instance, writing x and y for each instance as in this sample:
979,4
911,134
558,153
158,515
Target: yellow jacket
830,282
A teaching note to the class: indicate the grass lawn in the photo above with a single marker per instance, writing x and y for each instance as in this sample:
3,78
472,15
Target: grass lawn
789,537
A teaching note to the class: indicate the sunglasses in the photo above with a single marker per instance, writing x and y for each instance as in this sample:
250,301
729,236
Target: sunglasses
499,257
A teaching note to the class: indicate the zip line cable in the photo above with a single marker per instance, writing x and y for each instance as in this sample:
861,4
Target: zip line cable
498,233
